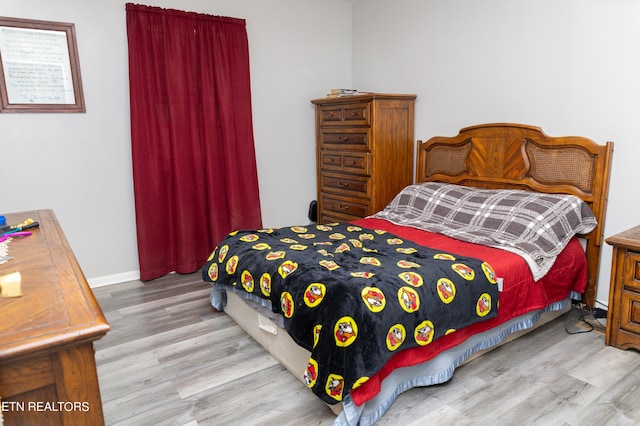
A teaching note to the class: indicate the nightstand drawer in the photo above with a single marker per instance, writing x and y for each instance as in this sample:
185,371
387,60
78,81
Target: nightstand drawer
355,114
632,271
630,312
351,162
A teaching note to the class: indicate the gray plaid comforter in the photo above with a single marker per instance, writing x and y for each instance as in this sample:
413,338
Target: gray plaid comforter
533,225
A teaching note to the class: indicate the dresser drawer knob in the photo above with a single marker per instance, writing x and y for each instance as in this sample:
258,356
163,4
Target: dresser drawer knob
343,207
343,138
343,184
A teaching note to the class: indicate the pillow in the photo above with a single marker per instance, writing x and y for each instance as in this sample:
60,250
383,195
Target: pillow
534,225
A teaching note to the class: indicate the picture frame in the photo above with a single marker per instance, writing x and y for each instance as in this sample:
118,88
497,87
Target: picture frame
39,67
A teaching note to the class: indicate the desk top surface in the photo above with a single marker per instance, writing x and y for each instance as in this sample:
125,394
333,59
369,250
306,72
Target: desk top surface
57,307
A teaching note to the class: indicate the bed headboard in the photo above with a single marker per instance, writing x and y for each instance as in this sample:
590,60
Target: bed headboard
517,156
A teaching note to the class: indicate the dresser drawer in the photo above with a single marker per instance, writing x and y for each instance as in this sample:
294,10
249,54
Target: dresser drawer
333,217
632,271
349,185
345,140
332,205
630,312
351,162
353,114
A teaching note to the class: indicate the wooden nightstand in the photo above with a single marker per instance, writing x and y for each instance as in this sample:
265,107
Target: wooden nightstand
623,316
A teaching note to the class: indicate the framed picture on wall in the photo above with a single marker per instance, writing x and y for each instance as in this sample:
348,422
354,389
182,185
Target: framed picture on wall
39,67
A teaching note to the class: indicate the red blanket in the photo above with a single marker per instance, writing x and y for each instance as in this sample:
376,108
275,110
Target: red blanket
520,294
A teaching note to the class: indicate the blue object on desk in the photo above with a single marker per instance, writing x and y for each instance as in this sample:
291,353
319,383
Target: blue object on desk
3,220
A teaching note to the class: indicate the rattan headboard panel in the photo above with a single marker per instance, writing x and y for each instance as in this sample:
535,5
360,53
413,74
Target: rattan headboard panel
518,156
448,160
573,166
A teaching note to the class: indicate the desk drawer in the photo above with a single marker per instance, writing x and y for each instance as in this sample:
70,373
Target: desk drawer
21,376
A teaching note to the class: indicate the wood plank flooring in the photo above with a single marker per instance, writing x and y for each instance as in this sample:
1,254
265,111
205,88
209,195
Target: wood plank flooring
170,359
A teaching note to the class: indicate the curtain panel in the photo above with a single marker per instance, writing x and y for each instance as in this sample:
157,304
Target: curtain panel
194,168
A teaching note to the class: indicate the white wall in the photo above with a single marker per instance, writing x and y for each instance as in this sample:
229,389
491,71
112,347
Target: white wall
570,67
80,164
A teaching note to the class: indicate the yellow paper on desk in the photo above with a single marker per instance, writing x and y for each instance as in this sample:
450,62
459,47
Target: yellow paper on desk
10,285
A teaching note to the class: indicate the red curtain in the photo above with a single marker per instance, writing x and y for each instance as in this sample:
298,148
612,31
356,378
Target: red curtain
194,167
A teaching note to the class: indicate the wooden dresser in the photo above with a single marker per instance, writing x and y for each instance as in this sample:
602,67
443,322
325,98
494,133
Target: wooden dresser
623,314
47,365
364,146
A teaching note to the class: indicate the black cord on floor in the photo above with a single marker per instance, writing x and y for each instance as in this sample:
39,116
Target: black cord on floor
581,314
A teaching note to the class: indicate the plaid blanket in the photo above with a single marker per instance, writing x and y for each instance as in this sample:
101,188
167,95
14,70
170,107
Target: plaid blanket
533,225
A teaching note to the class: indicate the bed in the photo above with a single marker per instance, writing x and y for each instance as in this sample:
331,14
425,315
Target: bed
465,288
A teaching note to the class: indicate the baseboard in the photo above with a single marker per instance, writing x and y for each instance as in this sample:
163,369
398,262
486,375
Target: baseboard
601,305
114,279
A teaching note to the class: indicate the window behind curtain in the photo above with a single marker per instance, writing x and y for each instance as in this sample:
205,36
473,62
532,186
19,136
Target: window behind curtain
194,167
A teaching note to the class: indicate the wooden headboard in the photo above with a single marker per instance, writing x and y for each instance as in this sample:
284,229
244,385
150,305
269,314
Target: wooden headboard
517,156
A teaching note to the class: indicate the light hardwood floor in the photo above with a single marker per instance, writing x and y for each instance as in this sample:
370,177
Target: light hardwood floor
170,359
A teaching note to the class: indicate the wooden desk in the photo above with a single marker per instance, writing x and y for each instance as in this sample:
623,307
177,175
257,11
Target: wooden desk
47,364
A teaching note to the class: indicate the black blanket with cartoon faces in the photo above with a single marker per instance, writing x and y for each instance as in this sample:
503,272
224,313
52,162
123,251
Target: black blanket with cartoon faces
354,296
